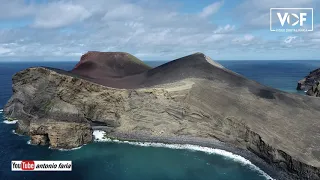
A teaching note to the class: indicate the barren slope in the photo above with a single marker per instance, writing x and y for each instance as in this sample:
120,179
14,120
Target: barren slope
189,97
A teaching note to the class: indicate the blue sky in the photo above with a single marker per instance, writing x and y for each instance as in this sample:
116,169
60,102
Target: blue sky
152,29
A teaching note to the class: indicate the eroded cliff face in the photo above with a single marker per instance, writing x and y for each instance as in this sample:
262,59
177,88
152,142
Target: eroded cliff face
310,84
60,110
314,90
59,134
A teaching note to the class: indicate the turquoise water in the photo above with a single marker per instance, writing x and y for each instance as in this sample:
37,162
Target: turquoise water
114,161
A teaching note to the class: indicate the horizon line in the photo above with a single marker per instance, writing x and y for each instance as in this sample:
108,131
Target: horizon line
21,61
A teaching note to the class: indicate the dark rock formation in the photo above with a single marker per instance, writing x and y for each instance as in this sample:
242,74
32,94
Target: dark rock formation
59,134
309,81
188,97
314,90
40,139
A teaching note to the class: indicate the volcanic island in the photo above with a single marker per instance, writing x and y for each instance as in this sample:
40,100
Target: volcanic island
190,100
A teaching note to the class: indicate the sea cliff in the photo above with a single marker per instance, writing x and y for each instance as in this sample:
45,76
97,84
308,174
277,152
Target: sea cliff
190,97
310,83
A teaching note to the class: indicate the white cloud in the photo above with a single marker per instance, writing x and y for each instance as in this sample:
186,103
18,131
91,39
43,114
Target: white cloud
4,50
211,9
148,29
225,29
255,13
15,9
59,14
315,35
262,5
123,12
315,40
317,27
215,38
243,40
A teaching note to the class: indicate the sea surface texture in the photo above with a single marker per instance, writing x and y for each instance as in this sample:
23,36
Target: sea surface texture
123,161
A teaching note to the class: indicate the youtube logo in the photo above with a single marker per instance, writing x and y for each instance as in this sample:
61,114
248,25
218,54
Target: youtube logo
30,165
25,165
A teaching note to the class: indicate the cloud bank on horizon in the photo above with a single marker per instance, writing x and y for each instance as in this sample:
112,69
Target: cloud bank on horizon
151,29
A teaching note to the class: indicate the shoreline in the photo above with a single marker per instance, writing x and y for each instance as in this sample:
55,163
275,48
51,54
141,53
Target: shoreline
7,120
136,138
266,170
182,142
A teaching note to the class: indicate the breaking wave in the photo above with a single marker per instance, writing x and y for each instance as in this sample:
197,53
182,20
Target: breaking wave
10,122
68,149
14,132
99,136
29,142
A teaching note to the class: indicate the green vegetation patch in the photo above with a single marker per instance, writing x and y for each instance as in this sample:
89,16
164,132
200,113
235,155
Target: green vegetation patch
138,61
10,119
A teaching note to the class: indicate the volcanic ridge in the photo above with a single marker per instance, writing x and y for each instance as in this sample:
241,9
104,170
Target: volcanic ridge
188,100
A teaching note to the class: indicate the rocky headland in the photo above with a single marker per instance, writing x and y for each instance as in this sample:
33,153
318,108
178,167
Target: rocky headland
310,83
192,99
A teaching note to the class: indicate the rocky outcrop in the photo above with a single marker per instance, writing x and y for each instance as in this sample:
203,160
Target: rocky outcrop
188,97
309,81
59,134
40,139
314,90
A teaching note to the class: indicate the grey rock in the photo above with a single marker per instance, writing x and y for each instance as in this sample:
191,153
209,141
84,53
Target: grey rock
309,81
189,97
40,139
314,90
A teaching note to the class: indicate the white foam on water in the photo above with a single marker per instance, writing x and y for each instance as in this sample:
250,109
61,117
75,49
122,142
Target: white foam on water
67,149
1,110
7,121
14,132
10,122
99,136
29,142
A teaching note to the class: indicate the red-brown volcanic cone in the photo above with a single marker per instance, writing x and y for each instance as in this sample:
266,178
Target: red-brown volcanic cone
97,65
113,69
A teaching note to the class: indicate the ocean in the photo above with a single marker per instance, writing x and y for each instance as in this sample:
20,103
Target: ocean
132,161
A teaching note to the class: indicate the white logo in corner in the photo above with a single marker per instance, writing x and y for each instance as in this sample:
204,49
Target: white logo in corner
291,19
